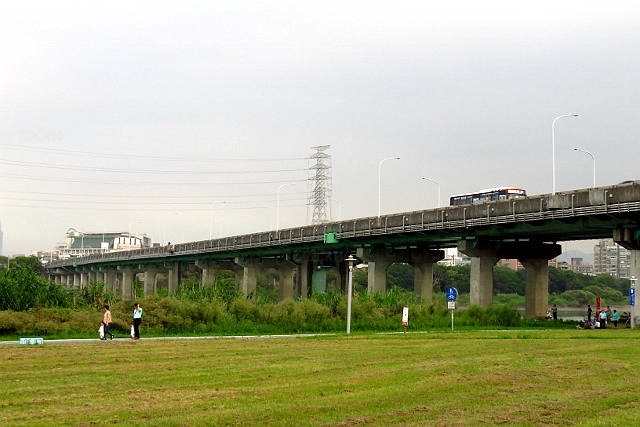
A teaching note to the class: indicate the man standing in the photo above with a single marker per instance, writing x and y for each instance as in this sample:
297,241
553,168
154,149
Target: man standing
137,319
106,319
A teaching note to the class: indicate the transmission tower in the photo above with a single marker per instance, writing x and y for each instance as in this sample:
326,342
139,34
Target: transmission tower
321,194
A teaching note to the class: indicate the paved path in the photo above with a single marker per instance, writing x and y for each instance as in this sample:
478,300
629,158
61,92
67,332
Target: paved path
212,337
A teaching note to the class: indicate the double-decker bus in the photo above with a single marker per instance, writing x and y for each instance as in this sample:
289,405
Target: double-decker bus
488,195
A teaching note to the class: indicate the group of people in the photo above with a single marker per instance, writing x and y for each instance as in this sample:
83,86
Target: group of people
105,326
601,319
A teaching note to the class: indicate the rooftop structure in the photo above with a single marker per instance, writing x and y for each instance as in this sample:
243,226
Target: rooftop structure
78,243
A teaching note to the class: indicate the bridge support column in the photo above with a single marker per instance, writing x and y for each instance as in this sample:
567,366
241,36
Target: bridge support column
537,288
481,280
84,280
535,259
109,278
286,271
304,273
534,256
127,282
483,258
173,276
378,261
93,278
250,271
77,281
208,272
422,262
150,280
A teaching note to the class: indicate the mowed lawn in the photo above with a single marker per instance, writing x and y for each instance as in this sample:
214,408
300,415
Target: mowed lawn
559,377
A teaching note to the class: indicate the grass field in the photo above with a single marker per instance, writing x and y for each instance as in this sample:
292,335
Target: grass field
560,377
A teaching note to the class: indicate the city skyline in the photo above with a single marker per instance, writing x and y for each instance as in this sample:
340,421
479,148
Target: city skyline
183,122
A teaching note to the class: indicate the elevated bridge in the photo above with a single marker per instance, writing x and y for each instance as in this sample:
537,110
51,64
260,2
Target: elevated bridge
527,229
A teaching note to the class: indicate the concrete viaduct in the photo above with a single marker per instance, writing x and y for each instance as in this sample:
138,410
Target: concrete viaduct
527,229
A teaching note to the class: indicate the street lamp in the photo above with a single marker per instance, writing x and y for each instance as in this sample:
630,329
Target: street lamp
436,183
592,158
553,149
380,179
350,260
280,187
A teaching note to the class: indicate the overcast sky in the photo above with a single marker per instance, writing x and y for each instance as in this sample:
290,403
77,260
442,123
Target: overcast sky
182,119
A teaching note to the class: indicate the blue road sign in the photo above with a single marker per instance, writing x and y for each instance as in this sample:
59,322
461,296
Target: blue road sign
632,296
452,294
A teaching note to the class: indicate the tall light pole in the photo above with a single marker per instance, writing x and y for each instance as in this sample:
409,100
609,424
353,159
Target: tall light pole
553,149
436,183
280,187
380,180
350,260
594,162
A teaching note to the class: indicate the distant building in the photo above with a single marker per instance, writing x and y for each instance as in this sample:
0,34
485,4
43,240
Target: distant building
578,266
513,264
612,259
79,243
453,258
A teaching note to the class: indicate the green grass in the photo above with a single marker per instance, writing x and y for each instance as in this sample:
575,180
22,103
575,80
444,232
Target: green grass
523,377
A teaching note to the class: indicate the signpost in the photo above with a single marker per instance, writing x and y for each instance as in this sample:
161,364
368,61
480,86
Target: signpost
632,300
452,295
405,318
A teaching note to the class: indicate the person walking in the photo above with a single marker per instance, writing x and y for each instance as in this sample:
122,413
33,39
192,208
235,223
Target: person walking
137,319
589,311
106,319
554,312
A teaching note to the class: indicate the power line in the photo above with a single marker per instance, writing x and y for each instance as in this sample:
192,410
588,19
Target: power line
146,157
125,201
154,182
126,208
138,197
140,171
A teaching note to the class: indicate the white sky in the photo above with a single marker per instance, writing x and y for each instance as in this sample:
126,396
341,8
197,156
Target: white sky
463,91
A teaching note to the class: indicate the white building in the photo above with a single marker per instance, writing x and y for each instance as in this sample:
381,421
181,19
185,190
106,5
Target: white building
453,258
611,258
79,243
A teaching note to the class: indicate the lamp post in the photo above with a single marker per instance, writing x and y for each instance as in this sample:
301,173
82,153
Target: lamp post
350,260
592,158
553,149
436,183
280,187
380,180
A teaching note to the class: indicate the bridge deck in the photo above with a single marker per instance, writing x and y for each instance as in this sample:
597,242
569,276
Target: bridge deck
574,215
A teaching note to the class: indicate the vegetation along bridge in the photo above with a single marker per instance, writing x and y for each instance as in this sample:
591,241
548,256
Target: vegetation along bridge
526,229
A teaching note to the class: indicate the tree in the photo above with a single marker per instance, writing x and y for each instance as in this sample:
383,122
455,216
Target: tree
23,287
